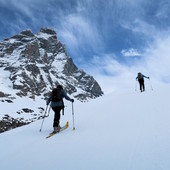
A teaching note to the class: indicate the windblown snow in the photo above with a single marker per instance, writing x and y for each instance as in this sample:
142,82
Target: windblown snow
118,131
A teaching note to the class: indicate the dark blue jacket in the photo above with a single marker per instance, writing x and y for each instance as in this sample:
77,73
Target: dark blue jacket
142,76
58,103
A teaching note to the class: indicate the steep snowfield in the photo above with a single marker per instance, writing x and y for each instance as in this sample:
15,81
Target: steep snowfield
119,131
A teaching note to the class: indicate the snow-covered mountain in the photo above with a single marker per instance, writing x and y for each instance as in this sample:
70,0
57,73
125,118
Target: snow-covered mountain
30,66
119,131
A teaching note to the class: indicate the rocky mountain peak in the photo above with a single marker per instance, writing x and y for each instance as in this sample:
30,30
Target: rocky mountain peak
48,31
36,62
27,33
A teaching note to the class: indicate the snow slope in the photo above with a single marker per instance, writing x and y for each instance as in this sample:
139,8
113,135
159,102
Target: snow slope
119,131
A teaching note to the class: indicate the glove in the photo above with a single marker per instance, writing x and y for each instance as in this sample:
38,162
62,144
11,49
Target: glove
72,100
148,78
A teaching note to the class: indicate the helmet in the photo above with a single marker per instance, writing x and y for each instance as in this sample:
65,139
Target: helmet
59,86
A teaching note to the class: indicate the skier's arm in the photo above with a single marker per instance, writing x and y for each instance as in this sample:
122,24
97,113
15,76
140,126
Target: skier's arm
145,76
66,97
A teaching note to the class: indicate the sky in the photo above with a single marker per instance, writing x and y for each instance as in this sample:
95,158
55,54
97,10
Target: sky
111,40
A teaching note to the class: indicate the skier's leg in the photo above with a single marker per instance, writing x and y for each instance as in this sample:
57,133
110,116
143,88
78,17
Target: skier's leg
140,85
143,85
56,116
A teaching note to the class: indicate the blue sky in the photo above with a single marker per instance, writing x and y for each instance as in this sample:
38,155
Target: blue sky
110,39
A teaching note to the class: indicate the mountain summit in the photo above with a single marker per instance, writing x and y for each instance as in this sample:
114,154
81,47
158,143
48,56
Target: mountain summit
32,64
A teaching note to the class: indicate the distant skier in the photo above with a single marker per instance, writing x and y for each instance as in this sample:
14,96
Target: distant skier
57,104
140,78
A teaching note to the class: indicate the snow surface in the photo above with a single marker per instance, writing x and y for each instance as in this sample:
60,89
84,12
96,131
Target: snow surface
119,131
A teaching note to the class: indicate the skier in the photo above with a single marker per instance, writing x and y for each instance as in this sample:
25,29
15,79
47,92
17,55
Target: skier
57,104
140,78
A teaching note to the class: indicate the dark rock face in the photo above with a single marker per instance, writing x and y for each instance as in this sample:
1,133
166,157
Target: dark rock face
48,31
3,94
8,123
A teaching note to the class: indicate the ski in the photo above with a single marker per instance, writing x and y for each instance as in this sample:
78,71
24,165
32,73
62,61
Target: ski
62,128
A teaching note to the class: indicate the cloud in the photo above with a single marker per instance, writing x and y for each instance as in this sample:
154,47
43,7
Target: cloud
20,15
130,52
142,29
111,74
158,59
80,34
25,7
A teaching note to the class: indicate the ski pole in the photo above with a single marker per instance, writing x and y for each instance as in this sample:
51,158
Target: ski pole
150,84
48,111
44,116
73,117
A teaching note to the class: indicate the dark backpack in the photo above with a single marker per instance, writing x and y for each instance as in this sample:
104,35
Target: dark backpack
57,95
140,76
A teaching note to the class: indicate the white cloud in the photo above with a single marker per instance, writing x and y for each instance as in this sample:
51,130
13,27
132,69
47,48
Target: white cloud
26,6
141,27
78,32
163,11
130,52
158,59
111,74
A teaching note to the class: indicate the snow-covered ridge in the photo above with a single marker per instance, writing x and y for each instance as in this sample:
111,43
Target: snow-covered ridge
31,65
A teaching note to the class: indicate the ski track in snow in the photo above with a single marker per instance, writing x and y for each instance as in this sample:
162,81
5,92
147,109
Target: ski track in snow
119,131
